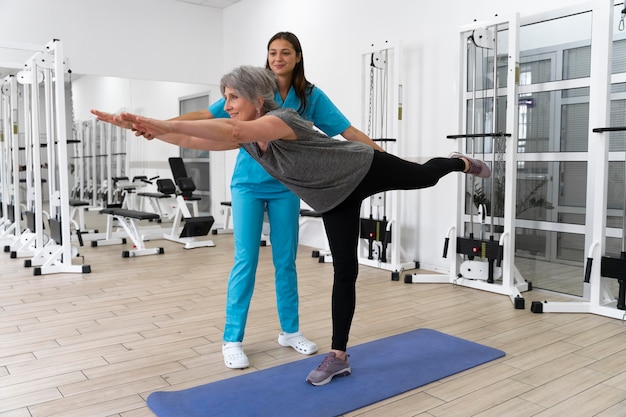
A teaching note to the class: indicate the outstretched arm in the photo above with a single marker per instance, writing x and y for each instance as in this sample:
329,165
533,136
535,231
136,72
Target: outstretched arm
111,118
117,121
212,134
166,131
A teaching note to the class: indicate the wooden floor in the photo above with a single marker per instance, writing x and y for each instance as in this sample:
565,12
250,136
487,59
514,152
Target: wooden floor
97,344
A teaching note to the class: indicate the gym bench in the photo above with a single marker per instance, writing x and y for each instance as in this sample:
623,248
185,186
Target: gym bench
128,220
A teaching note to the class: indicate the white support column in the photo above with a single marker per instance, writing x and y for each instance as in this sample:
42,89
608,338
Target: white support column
509,270
597,167
15,157
5,163
108,177
92,182
65,263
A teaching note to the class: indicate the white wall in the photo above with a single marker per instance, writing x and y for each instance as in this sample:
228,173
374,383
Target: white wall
335,33
174,41
161,40
139,55
159,99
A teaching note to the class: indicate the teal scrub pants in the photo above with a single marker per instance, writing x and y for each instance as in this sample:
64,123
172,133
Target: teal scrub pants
248,209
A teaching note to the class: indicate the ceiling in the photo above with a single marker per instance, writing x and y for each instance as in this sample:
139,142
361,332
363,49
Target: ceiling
218,4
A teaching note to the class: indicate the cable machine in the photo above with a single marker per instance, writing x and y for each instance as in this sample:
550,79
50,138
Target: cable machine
49,67
600,268
5,163
9,177
32,237
482,240
380,234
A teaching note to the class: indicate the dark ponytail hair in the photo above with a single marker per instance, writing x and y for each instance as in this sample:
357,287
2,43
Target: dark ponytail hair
299,82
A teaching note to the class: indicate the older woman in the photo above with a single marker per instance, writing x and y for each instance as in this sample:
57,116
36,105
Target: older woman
332,176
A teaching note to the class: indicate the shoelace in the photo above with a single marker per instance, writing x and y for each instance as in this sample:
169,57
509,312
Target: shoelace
326,362
329,360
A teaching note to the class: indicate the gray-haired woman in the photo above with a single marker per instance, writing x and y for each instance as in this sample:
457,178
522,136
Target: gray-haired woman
332,176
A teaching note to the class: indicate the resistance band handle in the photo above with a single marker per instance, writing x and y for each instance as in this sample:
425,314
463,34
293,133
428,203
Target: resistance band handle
445,247
588,270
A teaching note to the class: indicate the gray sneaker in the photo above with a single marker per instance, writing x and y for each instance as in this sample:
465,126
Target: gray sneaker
331,366
476,167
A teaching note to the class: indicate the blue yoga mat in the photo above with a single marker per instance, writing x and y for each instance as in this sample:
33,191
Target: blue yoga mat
380,369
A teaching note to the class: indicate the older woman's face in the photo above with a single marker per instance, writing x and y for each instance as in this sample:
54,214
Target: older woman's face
238,107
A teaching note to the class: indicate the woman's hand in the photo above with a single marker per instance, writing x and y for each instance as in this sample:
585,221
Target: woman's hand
111,118
118,121
151,128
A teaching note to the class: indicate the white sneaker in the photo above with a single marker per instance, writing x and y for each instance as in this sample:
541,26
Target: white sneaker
298,342
234,356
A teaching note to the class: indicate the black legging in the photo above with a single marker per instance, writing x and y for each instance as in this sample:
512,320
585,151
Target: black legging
387,172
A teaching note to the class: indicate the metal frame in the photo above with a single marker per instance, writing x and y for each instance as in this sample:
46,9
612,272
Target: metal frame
11,229
54,256
512,283
388,115
597,299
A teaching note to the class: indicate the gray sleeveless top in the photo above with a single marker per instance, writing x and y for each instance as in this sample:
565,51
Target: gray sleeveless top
322,171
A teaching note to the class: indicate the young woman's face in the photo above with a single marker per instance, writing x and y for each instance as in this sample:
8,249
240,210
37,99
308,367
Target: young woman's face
238,107
282,57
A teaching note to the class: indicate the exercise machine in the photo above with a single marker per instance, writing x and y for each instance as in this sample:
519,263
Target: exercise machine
380,233
195,226
482,240
11,195
57,253
128,220
602,270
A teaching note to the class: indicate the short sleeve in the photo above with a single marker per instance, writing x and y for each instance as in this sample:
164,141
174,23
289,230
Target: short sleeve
217,109
324,114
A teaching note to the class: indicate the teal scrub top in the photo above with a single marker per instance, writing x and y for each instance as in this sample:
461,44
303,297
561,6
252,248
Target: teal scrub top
248,175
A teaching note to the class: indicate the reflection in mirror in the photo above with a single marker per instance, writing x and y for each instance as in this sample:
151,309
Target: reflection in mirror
556,49
126,154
